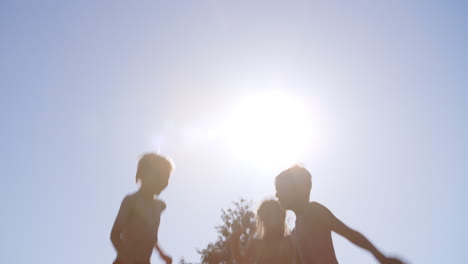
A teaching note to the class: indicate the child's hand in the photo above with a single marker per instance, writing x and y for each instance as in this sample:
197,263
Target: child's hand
167,259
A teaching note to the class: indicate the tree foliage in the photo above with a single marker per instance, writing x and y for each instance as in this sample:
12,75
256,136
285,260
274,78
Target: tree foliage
183,261
219,252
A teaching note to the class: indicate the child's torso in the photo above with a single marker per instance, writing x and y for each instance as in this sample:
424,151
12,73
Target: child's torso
312,240
141,233
279,252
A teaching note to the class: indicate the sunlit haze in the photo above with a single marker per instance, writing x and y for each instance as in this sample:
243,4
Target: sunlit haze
268,129
370,96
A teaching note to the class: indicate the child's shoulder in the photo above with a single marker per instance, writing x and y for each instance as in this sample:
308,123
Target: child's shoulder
129,199
132,197
160,204
136,197
317,209
316,206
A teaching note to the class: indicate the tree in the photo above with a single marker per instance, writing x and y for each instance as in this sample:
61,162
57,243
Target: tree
219,252
183,261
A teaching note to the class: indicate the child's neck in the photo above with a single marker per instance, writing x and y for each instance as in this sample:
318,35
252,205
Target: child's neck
147,194
300,207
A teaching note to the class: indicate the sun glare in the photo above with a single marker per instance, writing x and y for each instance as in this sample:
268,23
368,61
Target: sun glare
271,130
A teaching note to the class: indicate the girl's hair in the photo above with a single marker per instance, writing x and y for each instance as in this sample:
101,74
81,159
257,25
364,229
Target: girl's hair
263,209
152,162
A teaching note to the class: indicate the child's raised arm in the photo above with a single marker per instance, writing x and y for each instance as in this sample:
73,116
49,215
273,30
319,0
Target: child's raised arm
352,235
120,223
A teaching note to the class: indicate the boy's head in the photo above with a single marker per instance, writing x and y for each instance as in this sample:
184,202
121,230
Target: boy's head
293,187
153,172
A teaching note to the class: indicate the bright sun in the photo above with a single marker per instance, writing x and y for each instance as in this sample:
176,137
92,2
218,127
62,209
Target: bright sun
271,130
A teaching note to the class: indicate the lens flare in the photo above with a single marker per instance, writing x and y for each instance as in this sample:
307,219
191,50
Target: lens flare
270,129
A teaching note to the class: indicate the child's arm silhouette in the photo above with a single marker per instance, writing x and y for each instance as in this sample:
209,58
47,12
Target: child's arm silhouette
120,223
165,257
352,235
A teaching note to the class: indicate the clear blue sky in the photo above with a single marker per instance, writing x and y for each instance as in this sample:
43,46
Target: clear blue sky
87,86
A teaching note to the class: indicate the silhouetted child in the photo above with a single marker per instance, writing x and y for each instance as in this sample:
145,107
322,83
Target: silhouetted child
135,230
311,237
271,243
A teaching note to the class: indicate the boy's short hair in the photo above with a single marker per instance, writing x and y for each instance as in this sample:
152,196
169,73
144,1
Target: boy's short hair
297,175
153,161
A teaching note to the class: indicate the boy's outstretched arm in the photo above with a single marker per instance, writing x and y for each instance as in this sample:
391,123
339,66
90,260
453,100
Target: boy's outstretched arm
355,237
165,257
119,224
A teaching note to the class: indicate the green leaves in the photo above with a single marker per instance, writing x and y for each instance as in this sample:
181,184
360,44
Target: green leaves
242,218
